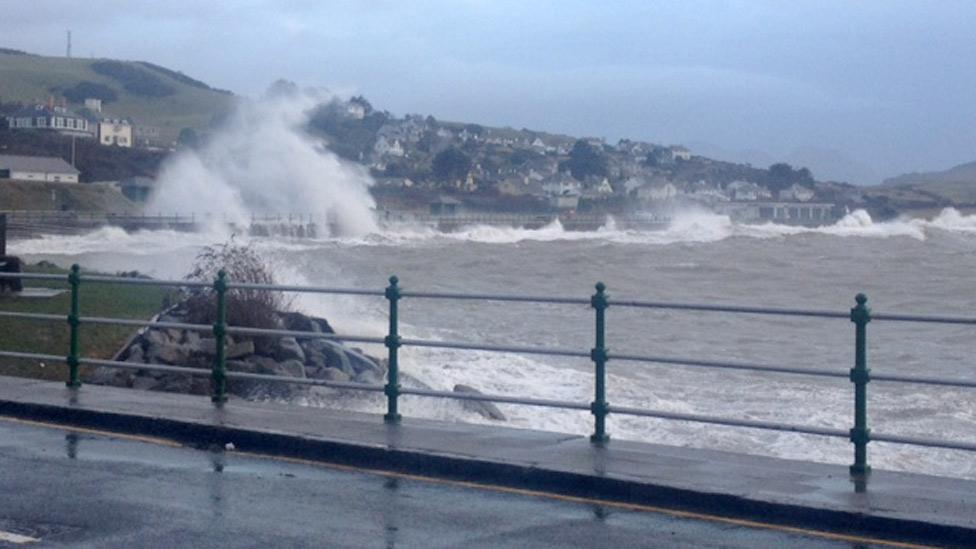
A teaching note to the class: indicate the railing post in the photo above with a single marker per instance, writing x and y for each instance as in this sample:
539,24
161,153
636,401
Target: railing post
392,389
74,320
860,376
599,406
218,375
392,341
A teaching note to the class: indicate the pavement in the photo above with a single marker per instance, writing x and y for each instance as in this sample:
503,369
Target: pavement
70,488
895,506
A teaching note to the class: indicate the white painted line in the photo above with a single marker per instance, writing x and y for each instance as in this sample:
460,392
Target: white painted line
10,537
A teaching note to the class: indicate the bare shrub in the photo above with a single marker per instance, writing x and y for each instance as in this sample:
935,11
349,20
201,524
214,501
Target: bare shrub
249,308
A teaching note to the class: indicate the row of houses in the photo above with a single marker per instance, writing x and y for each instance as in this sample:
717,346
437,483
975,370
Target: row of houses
109,131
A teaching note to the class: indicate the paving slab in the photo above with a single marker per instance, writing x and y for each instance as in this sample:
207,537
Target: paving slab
908,506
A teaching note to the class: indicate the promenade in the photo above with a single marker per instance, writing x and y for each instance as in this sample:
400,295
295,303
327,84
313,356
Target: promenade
898,506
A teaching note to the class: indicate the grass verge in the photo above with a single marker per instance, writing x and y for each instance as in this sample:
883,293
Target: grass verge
51,337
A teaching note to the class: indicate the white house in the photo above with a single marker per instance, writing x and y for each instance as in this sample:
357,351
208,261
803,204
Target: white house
561,184
746,191
680,153
657,191
796,192
50,117
37,168
384,147
115,132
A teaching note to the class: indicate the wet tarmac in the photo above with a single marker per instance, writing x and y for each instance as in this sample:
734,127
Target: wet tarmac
77,488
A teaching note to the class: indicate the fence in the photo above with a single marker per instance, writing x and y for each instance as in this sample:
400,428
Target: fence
860,375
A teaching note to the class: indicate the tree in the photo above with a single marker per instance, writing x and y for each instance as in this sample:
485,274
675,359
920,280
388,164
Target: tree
781,175
585,160
451,164
189,138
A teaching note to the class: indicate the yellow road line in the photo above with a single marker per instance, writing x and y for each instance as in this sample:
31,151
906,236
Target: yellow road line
97,432
501,489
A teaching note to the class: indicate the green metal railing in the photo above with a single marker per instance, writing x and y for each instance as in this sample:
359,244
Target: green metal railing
860,375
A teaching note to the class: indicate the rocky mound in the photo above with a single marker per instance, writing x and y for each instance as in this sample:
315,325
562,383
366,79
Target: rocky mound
282,356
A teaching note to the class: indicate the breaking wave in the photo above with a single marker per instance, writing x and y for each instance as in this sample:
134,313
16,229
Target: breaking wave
696,226
262,161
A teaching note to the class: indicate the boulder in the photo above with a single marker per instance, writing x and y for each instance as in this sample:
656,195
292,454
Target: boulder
136,355
480,407
240,349
370,377
290,368
329,374
144,383
289,349
168,353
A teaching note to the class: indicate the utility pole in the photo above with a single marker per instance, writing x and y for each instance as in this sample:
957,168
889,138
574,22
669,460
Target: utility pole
69,44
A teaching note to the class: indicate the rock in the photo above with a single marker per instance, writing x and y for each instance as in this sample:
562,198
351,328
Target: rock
168,353
330,374
240,349
110,376
289,349
480,407
144,383
314,360
156,337
303,323
136,355
192,338
290,368
265,346
203,345
369,377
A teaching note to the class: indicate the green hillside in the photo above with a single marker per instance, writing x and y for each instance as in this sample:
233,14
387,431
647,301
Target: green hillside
957,185
145,93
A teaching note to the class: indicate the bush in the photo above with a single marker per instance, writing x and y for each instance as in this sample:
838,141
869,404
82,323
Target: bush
249,308
133,79
84,90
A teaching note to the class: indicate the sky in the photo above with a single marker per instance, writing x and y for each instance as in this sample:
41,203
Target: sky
856,90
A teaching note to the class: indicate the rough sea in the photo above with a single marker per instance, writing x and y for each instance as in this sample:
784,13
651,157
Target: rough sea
905,266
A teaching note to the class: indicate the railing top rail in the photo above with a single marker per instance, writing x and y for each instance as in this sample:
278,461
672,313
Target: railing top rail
305,289
36,276
146,281
495,297
727,308
933,319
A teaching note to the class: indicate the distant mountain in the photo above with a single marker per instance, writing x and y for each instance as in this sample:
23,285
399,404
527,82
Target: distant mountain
953,187
964,174
145,93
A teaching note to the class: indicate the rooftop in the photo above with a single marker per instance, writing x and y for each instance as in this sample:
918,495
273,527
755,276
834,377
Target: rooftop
45,164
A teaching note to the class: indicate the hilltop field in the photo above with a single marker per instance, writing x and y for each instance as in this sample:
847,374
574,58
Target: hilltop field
142,92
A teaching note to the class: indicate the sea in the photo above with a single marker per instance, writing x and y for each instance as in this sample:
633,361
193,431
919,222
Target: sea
905,266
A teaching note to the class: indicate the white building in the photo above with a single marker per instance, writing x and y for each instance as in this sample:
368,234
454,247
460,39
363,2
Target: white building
115,132
50,117
385,147
561,185
37,168
657,192
796,192
680,153
746,191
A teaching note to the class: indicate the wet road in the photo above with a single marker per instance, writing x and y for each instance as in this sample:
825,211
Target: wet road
77,488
